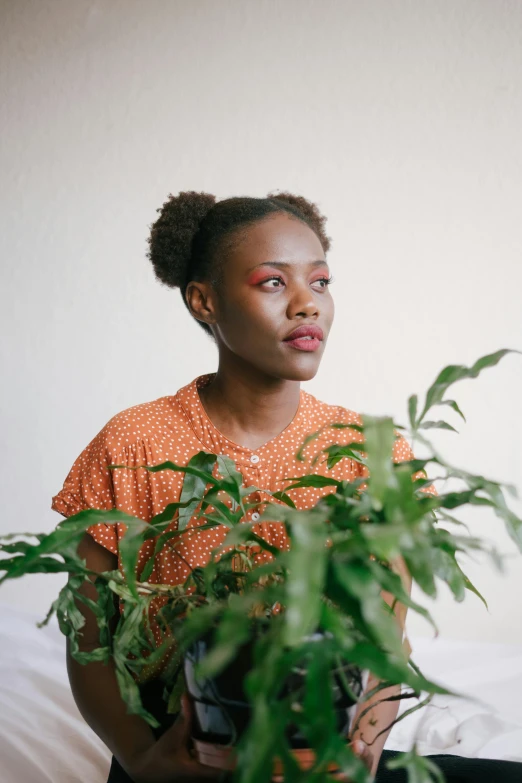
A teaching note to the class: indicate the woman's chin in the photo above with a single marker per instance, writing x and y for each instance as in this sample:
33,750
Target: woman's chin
303,369
290,365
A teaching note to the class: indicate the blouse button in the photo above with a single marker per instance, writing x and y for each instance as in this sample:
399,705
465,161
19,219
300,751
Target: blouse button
254,458
255,516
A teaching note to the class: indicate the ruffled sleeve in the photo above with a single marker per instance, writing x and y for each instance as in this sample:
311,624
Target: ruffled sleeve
89,485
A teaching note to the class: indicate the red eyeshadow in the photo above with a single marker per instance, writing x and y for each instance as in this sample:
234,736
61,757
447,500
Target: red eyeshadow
261,274
321,275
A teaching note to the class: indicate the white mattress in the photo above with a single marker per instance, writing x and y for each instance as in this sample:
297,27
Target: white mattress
44,738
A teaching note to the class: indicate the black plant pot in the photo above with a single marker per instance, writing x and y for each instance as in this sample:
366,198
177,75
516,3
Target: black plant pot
222,711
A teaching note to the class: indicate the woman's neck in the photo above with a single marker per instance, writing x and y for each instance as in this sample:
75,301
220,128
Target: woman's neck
249,407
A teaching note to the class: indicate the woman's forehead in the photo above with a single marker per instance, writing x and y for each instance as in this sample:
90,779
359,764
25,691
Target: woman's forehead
278,237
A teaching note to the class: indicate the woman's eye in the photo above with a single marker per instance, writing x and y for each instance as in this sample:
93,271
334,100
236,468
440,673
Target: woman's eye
268,280
325,280
278,282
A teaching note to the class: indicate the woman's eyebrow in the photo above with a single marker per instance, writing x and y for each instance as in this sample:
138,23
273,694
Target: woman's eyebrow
286,265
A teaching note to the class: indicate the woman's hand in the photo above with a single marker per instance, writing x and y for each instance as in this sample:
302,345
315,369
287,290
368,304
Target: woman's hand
169,759
362,750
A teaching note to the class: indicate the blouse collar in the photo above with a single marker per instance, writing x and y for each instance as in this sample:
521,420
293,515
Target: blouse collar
215,442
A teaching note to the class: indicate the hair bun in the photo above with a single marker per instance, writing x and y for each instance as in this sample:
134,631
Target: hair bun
172,235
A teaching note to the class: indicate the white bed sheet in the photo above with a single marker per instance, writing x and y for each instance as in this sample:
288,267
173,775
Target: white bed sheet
487,725
43,737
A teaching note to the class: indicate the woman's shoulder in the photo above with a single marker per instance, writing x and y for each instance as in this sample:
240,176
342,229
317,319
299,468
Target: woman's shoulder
326,413
146,420
329,412
339,412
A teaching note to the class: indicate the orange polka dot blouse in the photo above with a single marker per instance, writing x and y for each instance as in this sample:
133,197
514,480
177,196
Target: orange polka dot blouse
177,427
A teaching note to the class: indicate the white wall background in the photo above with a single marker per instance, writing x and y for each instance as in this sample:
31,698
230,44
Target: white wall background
402,119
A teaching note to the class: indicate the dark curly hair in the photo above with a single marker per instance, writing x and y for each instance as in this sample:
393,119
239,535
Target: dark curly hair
190,239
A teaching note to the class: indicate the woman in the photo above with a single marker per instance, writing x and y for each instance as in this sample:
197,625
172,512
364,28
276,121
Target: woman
253,273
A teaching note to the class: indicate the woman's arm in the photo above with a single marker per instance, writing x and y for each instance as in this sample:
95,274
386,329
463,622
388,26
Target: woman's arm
376,719
96,693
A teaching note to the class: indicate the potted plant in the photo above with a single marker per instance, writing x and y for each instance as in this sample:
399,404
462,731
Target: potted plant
300,632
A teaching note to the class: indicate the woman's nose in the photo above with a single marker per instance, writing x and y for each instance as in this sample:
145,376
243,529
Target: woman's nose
302,302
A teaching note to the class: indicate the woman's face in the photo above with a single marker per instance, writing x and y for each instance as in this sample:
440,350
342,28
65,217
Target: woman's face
273,281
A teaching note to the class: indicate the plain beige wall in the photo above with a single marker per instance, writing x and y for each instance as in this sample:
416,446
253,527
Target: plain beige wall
403,120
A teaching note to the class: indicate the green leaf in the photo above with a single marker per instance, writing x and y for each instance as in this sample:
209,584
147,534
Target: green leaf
131,696
447,569
158,524
233,478
130,627
419,768
392,583
368,655
232,632
336,453
412,409
160,543
18,566
356,580
194,484
306,574
244,533
23,547
256,749
512,522
71,621
129,547
169,465
198,622
456,499
285,498
452,404
314,480
414,465
225,514
453,373
420,562
439,425
10,536
471,587
299,455
386,541
62,541
318,700
174,696
379,440
106,610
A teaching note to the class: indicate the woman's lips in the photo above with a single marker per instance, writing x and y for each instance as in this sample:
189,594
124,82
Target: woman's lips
304,343
307,337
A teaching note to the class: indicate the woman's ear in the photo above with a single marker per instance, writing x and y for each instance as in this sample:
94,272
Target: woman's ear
202,301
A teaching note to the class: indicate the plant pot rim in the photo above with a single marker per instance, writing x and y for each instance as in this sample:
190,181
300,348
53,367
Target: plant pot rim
224,757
